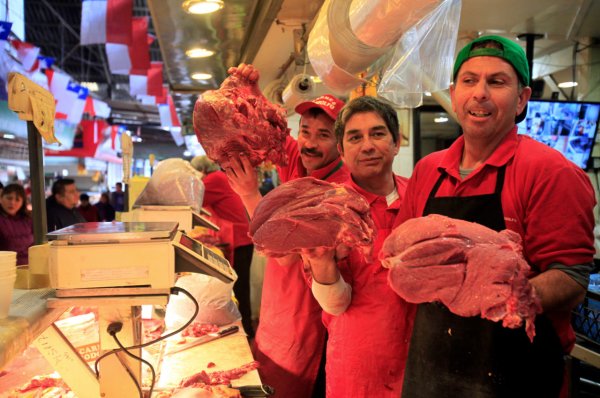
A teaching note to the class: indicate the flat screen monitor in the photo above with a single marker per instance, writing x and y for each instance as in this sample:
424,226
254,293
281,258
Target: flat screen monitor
569,127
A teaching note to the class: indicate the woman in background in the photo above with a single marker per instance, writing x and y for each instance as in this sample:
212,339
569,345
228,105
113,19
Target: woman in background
16,226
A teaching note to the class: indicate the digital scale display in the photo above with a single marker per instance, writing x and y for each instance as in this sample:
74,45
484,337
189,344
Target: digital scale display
189,251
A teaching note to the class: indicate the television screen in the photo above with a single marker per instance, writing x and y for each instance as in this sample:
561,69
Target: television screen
568,127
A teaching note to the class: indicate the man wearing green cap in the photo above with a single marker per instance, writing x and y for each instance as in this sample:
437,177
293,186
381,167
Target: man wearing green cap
492,176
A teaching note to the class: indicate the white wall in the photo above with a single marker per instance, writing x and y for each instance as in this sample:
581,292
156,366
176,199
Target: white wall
403,163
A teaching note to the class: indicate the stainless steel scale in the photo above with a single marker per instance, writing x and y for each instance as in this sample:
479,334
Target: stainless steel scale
118,267
128,254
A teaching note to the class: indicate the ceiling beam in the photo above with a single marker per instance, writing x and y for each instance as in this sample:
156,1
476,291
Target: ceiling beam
263,16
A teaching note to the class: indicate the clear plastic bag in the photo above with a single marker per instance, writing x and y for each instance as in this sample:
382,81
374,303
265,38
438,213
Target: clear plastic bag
423,57
174,183
214,298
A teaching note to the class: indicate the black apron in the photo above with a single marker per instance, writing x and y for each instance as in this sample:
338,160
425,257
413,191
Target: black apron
455,357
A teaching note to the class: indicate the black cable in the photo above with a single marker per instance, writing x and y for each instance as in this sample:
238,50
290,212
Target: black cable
174,290
126,351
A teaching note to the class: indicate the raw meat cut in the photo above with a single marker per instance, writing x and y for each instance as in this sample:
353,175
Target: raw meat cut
200,390
219,377
471,269
308,214
237,118
198,329
46,386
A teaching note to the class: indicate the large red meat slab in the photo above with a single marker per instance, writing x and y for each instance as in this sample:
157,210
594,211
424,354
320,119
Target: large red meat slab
236,119
471,269
309,214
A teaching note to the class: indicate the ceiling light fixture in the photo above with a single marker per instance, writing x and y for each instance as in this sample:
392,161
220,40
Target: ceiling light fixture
92,86
440,119
199,52
567,84
201,76
202,6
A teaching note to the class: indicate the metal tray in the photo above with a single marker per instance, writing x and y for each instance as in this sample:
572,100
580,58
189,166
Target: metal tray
94,232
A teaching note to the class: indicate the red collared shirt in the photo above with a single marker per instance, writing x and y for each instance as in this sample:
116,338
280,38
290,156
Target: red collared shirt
546,199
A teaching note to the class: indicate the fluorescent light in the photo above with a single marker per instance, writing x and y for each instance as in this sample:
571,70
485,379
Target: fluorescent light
9,136
201,76
567,84
199,52
202,6
440,119
427,94
92,86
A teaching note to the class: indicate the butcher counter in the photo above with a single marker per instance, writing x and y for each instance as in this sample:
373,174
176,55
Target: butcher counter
30,317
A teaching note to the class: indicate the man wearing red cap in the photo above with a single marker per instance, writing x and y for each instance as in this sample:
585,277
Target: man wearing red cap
290,338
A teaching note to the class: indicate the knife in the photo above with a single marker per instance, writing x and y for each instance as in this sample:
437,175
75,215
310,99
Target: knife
259,391
204,339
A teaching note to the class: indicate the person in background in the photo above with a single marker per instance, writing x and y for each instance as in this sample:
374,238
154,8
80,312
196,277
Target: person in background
61,205
497,178
290,340
227,206
369,325
267,183
105,210
16,226
89,212
117,198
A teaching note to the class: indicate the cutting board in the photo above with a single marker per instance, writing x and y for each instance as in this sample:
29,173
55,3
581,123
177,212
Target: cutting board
226,353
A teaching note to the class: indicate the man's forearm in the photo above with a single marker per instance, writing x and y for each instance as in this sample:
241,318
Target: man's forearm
250,202
557,291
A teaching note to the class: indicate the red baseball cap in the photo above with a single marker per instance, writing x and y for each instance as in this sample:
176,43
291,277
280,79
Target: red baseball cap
328,103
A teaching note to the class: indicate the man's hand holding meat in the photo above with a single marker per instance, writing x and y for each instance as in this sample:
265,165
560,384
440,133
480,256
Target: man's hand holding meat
243,179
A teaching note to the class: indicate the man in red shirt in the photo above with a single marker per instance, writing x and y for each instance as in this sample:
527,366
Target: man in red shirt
369,325
290,338
492,176
229,214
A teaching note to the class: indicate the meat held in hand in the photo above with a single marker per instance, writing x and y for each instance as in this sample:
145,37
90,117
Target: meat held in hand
237,118
471,269
309,214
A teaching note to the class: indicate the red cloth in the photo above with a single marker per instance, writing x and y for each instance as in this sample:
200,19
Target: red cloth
226,205
290,337
368,343
16,234
546,199
89,212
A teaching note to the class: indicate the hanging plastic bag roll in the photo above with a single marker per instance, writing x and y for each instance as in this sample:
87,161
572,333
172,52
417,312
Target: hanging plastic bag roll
301,88
361,31
337,79
423,57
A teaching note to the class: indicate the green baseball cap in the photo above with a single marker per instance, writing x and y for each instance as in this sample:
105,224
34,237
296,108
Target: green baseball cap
511,52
